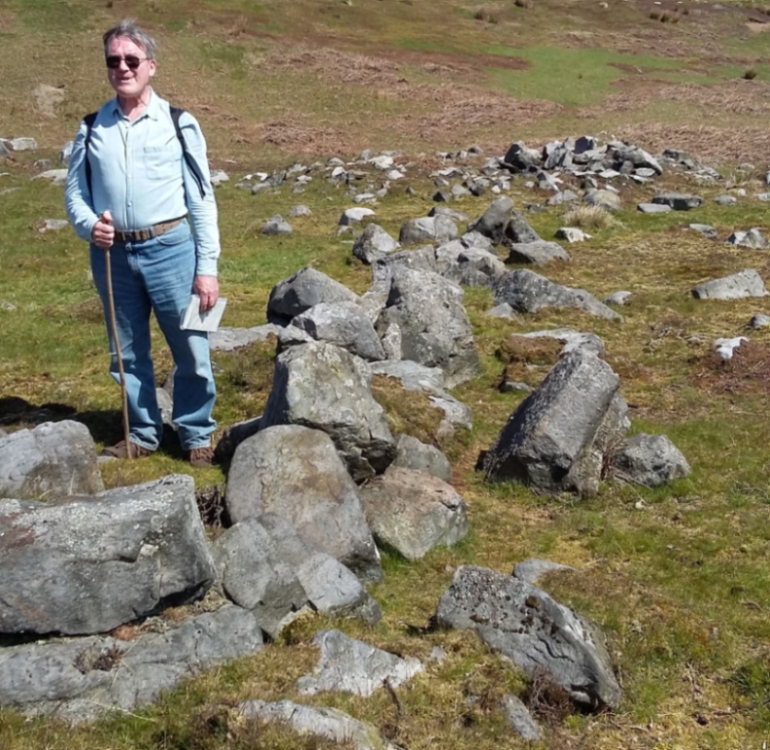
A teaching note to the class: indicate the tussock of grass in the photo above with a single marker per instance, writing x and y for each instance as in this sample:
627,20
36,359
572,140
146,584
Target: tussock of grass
589,217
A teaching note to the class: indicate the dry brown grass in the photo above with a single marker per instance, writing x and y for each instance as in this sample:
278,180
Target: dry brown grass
589,217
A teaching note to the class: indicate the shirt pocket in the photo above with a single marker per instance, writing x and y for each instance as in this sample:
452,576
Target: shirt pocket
162,162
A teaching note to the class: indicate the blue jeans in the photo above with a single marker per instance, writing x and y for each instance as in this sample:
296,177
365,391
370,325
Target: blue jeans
157,274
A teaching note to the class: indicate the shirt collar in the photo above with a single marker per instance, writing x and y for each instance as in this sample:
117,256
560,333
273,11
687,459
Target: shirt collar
153,110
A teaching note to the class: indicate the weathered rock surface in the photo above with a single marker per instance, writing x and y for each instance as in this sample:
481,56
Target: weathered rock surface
520,718
494,221
343,324
301,291
538,253
264,566
351,666
276,226
321,722
557,438
230,339
324,387
751,238
374,243
413,454
54,458
650,460
296,472
79,680
529,627
233,436
87,565
413,512
468,265
746,283
572,340
437,228
678,201
527,291
435,330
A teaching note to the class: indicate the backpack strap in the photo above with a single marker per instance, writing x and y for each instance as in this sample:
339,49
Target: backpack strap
89,120
176,113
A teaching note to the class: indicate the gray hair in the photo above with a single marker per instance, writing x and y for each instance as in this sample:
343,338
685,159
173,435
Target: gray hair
128,28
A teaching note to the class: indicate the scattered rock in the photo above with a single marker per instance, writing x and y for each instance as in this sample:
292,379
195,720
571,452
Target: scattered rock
759,321
653,208
753,238
520,718
679,201
413,454
53,225
537,253
438,228
572,234
374,243
650,460
295,471
706,230
277,226
533,569
618,298
351,666
526,625
53,459
231,339
103,561
726,200
557,438
746,283
302,290
354,216
413,512
328,723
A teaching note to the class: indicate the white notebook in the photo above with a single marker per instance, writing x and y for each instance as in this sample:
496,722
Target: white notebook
192,320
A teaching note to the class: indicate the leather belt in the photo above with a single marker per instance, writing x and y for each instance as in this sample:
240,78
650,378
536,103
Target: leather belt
140,235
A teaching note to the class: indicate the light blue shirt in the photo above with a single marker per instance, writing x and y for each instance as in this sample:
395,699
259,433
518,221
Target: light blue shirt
139,174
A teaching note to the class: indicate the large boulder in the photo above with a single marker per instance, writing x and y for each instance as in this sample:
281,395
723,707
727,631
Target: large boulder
527,291
302,290
528,626
80,679
435,330
324,387
343,324
413,512
296,472
264,566
87,565
350,666
54,458
558,437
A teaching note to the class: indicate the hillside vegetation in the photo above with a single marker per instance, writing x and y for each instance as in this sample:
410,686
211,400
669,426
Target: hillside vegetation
677,577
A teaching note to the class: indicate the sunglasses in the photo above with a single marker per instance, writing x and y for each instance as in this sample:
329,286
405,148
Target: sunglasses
132,61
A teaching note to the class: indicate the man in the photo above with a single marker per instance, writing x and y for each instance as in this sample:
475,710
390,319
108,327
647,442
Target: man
133,190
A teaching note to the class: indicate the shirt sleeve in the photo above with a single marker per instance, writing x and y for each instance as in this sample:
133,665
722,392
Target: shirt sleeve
77,196
203,210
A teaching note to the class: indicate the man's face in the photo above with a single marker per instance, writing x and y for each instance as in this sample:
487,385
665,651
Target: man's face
129,84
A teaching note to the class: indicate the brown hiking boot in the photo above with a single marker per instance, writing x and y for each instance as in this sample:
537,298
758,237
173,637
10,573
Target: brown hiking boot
201,458
119,450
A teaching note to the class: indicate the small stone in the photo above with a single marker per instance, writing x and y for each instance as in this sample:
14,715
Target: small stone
276,225
618,298
653,208
725,200
299,210
759,321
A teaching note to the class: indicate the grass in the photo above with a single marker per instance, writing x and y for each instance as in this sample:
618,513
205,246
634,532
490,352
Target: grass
677,577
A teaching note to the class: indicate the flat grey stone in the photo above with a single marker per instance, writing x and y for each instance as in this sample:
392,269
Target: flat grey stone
705,229
653,208
231,339
413,454
503,310
537,253
618,298
759,321
679,201
752,238
81,679
277,225
299,210
328,723
351,666
354,215
726,200
53,225
56,176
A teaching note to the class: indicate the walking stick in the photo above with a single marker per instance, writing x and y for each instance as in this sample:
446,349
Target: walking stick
114,326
